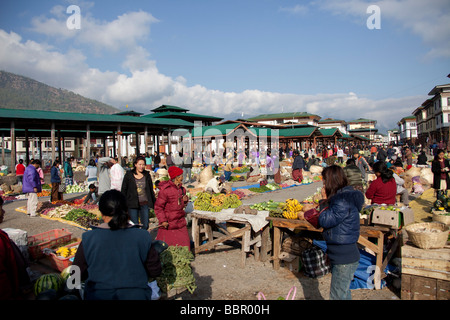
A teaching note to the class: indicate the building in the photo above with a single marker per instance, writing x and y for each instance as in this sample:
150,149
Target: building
287,118
408,130
433,117
334,123
363,127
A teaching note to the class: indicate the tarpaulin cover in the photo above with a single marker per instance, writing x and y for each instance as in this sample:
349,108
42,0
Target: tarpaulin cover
365,270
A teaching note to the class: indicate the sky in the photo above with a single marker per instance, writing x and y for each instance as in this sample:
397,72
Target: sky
342,59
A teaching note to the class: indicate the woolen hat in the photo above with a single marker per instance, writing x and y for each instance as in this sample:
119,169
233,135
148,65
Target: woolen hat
175,172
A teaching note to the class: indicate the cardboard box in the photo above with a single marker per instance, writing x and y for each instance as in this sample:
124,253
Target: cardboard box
394,219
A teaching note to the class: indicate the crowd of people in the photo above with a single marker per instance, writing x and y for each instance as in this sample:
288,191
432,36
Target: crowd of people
125,195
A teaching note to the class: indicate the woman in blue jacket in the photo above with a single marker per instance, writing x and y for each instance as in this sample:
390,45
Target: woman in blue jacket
339,219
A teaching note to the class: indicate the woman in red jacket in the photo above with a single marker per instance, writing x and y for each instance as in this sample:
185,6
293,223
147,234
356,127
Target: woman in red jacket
169,209
384,189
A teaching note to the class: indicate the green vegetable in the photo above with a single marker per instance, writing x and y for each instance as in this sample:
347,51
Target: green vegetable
176,269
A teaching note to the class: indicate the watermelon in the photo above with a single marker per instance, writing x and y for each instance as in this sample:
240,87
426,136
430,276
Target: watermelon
47,282
66,273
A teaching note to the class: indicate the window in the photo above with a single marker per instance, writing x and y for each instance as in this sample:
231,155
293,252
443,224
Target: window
68,144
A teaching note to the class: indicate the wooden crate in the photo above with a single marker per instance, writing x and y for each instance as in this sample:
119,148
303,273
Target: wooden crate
430,263
423,288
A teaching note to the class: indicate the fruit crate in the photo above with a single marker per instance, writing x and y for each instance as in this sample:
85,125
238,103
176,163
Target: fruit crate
60,263
37,243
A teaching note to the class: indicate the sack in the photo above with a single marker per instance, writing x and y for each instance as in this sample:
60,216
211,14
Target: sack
315,263
62,187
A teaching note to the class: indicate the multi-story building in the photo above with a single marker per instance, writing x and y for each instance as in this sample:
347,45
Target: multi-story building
363,127
433,117
408,130
287,118
333,123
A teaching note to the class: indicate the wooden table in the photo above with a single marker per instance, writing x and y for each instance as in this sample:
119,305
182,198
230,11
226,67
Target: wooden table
366,232
202,230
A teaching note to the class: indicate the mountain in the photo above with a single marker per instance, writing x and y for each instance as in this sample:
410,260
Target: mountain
19,92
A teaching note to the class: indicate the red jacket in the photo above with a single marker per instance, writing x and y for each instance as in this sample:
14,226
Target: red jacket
169,207
380,192
20,169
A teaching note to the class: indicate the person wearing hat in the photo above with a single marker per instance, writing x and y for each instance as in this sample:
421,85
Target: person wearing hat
137,186
170,210
361,163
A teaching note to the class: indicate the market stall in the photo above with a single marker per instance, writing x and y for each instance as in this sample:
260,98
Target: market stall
249,229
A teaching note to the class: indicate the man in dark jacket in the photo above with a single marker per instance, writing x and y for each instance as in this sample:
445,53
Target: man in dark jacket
297,167
354,175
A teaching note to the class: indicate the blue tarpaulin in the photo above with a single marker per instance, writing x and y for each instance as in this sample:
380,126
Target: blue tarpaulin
364,275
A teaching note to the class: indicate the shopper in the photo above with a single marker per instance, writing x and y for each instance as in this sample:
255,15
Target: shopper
116,259
340,222
170,210
440,168
116,175
354,175
31,186
137,186
20,169
68,172
55,179
297,167
187,167
91,172
104,178
383,189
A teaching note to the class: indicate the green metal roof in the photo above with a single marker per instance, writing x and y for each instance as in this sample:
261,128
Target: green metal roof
186,115
166,107
89,117
329,132
282,116
298,132
217,130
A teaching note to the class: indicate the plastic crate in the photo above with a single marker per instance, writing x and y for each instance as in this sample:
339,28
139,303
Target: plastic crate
37,243
60,263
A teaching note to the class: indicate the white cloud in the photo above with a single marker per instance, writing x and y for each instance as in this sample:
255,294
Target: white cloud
426,19
123,32
143,87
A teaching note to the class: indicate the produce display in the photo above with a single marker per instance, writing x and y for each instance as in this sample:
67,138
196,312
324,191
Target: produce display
76,188
176,269
216,202
66,252
292,208
267,205
288,209
47,282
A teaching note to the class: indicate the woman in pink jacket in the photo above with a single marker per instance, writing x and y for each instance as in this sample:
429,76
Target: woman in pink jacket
169,209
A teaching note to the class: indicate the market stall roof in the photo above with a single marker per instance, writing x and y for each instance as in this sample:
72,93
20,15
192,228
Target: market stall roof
300,132
187,116
40,119
331,132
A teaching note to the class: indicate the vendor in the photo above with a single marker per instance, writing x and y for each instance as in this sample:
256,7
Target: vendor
383,189
92,196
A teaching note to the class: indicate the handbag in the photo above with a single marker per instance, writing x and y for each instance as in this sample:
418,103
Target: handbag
62,187
315,263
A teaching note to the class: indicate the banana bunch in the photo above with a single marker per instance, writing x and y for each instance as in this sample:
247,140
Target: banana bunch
66,252
218,200
292,208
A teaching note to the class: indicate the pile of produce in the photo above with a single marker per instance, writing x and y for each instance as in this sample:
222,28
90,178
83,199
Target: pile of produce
176,269
240,194
76,188
66,252
267,205
215,203
442,203
288,209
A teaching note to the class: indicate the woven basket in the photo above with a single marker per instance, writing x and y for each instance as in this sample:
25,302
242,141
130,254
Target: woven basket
440,217
428,235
